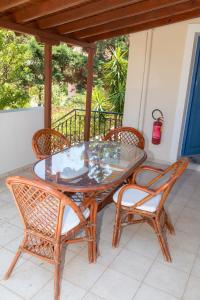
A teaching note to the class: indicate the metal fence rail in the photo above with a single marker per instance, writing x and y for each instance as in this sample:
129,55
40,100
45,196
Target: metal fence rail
72,124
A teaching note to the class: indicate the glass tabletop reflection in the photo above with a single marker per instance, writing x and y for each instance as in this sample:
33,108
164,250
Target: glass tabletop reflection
89,165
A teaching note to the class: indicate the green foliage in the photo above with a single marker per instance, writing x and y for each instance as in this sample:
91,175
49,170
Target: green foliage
36,66
69,66
14,70
100,101
115,72
22,73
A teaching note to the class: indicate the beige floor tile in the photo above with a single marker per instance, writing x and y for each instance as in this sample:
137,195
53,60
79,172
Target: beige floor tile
27,280
6,258
146,232
16,221
147,247
8,233
132,264
68,291
189,221
6,197
7,212
167,279
80,272
66,258
106,253
113,285
92,296
188,242
5,294
196,267
181,260
146,292
193,289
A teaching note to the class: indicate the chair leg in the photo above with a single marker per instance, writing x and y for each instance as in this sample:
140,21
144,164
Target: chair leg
162,241
117,229
90,244
93,234
57,272
168,223
13,263
57,282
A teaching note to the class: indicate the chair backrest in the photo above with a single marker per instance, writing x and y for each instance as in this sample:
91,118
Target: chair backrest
168,178
40,206
126,135
48,141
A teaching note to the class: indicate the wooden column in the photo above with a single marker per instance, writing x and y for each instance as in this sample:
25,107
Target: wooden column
90,62
47,84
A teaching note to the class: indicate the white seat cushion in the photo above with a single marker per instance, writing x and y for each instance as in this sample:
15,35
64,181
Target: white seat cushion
132,196
71,220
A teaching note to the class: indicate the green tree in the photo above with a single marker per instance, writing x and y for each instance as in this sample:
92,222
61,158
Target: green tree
69,66
115,72
36,67
14,70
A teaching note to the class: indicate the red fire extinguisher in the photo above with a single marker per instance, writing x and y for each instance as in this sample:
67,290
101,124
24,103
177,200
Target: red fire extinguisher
157,126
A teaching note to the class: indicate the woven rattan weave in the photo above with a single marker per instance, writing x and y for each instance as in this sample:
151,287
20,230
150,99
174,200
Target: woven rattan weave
42,209
48,141
158,219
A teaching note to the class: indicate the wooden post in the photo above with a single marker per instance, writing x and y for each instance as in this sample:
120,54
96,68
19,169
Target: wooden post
90,62
47,84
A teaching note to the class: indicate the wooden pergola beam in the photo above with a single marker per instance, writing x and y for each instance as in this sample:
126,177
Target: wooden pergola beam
89,9
161,13
116,14
5,5
52,37
47,84
90,63
38,10
146,25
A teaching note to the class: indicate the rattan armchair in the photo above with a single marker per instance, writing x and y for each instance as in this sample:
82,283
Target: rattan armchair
126,135
51,220
48,141
147,202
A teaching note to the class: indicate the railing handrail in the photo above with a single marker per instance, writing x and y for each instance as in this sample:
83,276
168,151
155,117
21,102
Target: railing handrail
69,113
93,111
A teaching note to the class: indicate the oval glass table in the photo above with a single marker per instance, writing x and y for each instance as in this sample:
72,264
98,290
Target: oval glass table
90,166
90,171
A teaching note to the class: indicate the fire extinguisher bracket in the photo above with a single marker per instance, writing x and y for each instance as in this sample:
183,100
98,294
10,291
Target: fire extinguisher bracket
157,114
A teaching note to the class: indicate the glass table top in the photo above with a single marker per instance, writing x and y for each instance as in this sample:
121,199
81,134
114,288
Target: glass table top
90,165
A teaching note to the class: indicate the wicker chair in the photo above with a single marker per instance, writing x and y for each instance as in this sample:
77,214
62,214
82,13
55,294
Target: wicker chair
147,202
127,135
51,220
48,141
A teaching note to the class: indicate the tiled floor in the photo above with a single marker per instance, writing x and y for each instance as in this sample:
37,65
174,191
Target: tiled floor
136,270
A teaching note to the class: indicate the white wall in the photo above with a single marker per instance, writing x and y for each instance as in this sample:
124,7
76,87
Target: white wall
16,131
154,81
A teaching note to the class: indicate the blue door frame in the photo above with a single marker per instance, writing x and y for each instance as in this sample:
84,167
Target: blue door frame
191,138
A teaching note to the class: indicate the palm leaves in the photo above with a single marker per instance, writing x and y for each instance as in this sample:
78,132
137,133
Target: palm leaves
115,71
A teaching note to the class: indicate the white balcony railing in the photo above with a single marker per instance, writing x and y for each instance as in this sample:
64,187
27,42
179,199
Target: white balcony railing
16,131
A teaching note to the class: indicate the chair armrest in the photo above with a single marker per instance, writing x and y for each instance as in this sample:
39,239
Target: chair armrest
146,168
150,192
66,201
126,187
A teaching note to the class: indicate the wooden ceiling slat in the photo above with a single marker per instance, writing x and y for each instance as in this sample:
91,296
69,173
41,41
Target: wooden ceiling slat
5,5
42,8
42,34
139,19
87,10
146,26
117,14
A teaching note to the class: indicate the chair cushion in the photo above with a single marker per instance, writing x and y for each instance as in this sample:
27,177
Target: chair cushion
132,196
71,220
